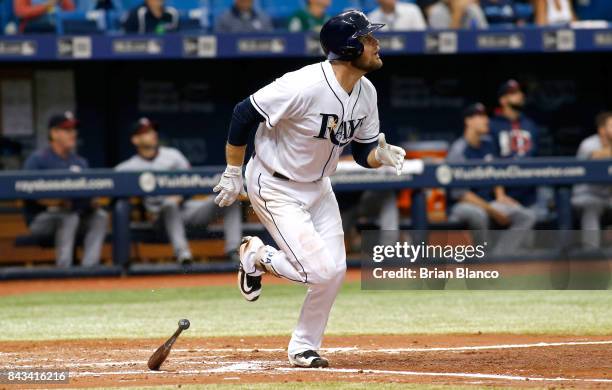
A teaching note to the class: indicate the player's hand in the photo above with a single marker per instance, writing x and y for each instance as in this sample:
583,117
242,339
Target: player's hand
229,187
390,155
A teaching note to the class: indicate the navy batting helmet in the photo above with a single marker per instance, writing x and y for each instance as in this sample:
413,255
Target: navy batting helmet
339,36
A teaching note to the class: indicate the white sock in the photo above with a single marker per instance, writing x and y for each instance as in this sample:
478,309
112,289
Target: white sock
278,263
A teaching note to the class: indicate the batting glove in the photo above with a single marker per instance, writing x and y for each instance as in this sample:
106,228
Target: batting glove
229,187
390,155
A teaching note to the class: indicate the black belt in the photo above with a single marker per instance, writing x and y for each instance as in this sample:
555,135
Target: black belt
276,174
280,176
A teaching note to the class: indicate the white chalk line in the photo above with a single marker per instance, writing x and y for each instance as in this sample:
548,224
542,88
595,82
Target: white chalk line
453,374
398,350
250,367
245,367
354,350
364,350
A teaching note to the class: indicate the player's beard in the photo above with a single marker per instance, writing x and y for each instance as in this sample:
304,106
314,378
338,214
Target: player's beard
367,66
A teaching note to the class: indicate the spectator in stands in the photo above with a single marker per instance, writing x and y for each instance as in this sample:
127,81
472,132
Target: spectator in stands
242,17
443,14
398,16
312,18
515,135
553,12
476,206
152,17
64,219
592,200
38,16
174,212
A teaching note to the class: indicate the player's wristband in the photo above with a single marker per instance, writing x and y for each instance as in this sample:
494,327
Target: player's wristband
233,170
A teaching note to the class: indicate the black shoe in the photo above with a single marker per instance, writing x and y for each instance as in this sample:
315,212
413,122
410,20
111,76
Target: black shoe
308,359
249,285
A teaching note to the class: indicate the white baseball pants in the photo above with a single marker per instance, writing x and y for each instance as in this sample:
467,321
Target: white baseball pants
304,220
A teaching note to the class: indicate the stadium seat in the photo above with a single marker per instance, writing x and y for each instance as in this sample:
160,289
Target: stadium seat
78,22
594,10
88,5
217,7
129,4
368,5
281,10
6,14
187,5
338,6
524,11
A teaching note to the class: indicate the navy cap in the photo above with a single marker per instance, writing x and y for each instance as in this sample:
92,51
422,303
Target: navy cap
508,87
474,109
63,121
143,125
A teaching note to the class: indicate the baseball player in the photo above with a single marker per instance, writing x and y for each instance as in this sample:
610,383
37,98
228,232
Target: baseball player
174,213
594,201
304,120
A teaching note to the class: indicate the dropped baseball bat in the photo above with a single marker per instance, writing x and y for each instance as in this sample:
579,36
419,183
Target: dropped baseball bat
160,355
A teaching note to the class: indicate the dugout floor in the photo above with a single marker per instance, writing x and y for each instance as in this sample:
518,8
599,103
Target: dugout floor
482,359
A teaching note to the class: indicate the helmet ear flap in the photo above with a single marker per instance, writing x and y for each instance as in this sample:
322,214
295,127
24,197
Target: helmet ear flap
352,50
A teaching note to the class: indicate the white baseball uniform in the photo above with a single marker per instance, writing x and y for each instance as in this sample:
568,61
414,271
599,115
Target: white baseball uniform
309,119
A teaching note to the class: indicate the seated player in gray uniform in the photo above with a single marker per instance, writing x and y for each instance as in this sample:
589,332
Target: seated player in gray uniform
174,212
65,218
590,199
476,207
379,205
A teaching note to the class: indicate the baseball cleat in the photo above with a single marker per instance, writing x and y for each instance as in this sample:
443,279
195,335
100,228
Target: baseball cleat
308,359
249,284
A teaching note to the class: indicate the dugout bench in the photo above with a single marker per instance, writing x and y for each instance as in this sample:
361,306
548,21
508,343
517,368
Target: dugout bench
560,173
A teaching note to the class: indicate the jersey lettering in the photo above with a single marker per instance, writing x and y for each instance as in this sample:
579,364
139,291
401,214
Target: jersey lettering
344,133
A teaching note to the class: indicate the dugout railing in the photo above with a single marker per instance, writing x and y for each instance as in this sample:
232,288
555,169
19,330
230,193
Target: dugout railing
560,173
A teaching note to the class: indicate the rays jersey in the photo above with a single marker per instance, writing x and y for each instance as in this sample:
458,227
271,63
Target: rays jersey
309,119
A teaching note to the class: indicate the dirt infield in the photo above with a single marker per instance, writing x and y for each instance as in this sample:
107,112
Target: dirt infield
16,287
525,361
483,359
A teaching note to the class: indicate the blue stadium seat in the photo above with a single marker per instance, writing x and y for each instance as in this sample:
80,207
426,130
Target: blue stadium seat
88,5
594,10
129,4
217,7
77,22
6,13
338,6
186,5
194,14
369,5
524,11
281,10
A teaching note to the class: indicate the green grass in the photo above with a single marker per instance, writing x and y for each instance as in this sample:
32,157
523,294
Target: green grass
221,311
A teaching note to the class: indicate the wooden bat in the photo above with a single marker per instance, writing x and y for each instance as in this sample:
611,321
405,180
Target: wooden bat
161,353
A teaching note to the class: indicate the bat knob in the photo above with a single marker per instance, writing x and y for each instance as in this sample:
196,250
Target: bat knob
184,324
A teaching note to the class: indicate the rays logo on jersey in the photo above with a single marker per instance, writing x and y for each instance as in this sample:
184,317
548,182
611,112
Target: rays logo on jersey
339,135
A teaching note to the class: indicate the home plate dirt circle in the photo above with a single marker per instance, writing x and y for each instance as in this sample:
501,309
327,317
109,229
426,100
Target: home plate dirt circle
514,360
